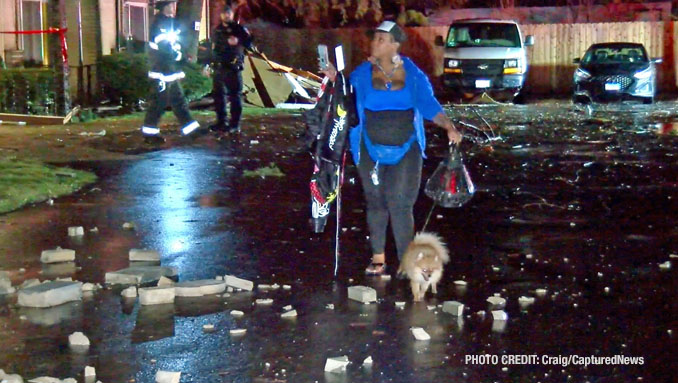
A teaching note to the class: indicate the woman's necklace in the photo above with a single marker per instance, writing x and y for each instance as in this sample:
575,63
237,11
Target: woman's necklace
389,76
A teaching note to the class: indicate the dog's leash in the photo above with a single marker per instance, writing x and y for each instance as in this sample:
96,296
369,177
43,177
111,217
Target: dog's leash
428,218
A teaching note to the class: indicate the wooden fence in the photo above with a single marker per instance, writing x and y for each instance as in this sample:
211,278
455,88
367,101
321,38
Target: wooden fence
551,67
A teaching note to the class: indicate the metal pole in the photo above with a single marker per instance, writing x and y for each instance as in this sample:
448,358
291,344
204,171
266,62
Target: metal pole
81,86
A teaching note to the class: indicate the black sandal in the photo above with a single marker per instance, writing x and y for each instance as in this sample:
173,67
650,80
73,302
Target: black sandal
376,269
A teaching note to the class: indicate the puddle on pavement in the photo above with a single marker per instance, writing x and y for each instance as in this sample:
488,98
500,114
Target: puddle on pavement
580,205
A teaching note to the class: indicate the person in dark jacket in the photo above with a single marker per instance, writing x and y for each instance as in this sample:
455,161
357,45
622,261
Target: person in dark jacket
165,53
228,56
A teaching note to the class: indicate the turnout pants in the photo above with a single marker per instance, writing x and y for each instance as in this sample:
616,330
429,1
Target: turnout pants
393,198
227,83
172,95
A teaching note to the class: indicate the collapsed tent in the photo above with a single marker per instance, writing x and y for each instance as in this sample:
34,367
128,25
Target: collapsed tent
268,84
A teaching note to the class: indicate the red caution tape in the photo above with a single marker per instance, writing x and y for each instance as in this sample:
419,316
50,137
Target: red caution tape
60,31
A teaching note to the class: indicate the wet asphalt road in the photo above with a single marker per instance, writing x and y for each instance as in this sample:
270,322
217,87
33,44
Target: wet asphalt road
582,205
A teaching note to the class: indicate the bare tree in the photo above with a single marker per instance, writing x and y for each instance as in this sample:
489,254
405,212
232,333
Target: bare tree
188,15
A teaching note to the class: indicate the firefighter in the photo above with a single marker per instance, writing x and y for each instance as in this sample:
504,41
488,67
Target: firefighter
228,47
165,54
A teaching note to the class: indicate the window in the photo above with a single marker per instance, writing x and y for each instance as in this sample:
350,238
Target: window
135,21
616,54
483,35
31,19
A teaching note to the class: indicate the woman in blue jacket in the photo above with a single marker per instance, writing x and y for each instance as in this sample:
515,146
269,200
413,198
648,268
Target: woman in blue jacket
393,97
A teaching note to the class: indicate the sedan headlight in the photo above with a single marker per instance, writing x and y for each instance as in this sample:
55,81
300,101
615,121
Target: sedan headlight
644,74
453,63
580,75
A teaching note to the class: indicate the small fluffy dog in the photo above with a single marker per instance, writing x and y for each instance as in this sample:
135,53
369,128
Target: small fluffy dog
423,263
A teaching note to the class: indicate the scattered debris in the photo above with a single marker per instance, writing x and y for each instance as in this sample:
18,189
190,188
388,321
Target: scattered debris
236,313
499,315
30,283
167,377
386,277
49,379
156,295
78,339
90,373
271,171
400,304
12,378
287,287
289,314
288,308
97,134
329,306
6,283
264,301
164,282
665,266
367,362
362,294
57,255
199,288
139,275
144,255
540,292
238,331
496,302
453,307
238,283
88,287
76,231
336,364
50,294
130,292
129,226
525,301
208,328
94,230
420,334
460,283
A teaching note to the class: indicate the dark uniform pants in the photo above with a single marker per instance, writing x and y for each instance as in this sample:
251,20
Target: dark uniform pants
172,95
227,83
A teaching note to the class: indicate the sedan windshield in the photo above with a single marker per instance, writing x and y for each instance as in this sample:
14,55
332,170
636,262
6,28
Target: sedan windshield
615,55
483,35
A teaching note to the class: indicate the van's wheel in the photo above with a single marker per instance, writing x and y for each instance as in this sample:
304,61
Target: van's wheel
519,99
648,100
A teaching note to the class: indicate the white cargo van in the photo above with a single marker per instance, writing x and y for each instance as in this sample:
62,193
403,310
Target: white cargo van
485,55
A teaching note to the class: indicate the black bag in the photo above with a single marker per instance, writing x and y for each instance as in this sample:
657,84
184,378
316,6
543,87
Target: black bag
450,185
328,124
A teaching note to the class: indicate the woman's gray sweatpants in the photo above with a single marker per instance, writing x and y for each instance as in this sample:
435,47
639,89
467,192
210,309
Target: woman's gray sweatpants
394,197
